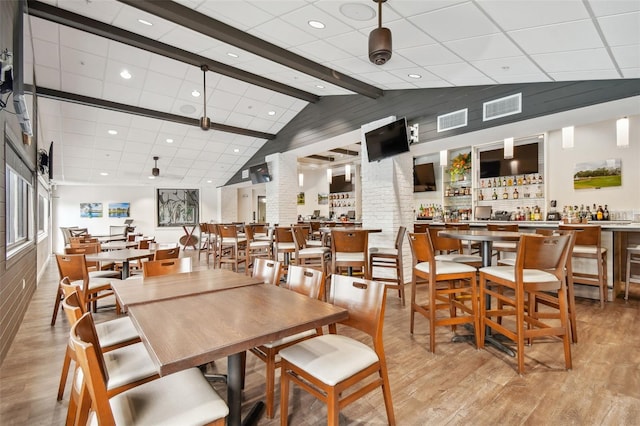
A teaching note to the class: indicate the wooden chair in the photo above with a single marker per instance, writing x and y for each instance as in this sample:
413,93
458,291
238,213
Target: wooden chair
112,334
459,293
75,267
633,258
420,228
180,398
503,246
154,268
267,270
349,250
329,365
450,249
588,247
232,247
317,257
283,244
167,253
473,247
389,258
256,248
306,281
540,268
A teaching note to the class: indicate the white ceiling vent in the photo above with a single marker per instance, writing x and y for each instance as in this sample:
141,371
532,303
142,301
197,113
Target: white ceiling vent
245,174
453,120
502,107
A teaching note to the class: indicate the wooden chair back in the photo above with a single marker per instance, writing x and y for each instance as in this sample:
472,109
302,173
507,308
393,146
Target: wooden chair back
307,281
587,235
86,249
267,270
400,238
68,288
73,266
249,233
510,227
421,248
420,228
299,239
145,244
228,230
443,244
168,253
79,241
166,266
283,234
458,226
365,301
315,226
260,228
547,253
353,241
73,306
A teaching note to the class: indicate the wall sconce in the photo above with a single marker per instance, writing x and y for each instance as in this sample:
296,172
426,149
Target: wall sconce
508,148
347,172
329,176
444,158
622,132
300,179
567,137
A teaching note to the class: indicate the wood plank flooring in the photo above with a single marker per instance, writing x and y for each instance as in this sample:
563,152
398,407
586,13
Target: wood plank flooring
456,385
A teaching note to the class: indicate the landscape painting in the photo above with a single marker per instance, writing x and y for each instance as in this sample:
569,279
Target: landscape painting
119,209
90,210
598,174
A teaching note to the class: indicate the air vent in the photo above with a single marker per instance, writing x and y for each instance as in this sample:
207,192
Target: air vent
502,107
245,174
453,120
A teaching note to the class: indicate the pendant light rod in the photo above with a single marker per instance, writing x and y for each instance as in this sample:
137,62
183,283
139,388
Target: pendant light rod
205,123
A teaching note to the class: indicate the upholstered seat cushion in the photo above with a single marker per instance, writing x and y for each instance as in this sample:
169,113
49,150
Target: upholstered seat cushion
104,274
309,251
349,257
330,358
446,267
285,246
116,331
461,258
504,245
128,364
528,275
183,398
587,250
507,262
260,244
94,282
385,251
233,240
289,339
314,243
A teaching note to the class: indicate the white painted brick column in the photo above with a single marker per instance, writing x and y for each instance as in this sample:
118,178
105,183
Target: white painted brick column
282,190
229,204
387,197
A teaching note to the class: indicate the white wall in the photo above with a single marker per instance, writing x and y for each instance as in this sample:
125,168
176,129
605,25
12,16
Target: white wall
66,210
315,182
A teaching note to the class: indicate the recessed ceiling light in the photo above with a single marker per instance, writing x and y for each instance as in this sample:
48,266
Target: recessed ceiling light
357,12
415,76
125,74
271,113
316,24
104,174
319,86
169,140
233,55
143,22
152,177
236,150
195,93
209,181
112,132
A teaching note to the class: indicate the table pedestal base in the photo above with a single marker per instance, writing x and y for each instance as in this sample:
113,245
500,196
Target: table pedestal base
490,339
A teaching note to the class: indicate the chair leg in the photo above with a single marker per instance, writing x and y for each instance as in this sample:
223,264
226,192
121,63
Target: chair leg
413,302
562,306
271,378
56,307
65,372
432,317
284,395
520,330
386,393
482,312
333,410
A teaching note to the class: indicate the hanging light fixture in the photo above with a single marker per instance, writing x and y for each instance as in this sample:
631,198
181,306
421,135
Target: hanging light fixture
508,148
567,137
300,179
329,176
205,122
622,132
347,172
380,40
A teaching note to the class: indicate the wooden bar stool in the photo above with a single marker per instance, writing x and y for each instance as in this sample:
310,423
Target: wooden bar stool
503,246
349,250
389,258
633,258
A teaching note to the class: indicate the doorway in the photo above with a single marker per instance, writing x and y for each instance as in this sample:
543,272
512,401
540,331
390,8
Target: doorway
262,209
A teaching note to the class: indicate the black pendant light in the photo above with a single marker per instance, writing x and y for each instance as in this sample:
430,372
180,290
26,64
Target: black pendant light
380,40
205,122
155,171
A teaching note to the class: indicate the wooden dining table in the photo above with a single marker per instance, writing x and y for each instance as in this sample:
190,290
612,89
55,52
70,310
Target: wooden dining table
138,290
190,331
118,245
123,255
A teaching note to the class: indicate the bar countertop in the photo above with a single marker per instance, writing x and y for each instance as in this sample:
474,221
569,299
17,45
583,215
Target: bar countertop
608,225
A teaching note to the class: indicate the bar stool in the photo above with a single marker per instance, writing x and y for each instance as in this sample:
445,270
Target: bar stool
503,246
283,244
389,258
633,257
349,250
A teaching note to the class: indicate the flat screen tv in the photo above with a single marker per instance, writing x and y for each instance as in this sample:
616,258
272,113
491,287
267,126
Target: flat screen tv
424,178
339,184
524,161
388,140
259,173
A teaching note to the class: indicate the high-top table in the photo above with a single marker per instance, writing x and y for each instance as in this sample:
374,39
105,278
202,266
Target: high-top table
124,256
138,290
193,330
486,239
118,245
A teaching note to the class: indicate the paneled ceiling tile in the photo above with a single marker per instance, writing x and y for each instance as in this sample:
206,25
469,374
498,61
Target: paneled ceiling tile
164,151
114,68
224,99
217,114
261,67
162,84
281,33
128,19
189,40
194,75
81,85
226,160
509,68
621,30
259,93
430,55
176,130
355,65
513,15
146,123
132,147
355,43
82,63
129,56
110,144
78,111
241,15
585,75
105,10
248,107
425,76
217,147
277,8
260,124
400,85
231,85
77,152
287,116
406,35
113,117
239,120
202,164
460,74
585,60
452,23
522,78
603,8
627,56
185,97
631,72
83,41
77,140
364,9
300,19
47,77
168,66
156,101
194,144
141,135
558,38
122,94
484,47
320,51
282,101
40,29
397,62
81,127
383,77
195,173
103,129
46,53
109,158
184,158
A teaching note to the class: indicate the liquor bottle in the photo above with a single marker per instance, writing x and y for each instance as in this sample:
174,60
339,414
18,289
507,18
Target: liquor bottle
600,214
499,182
581,213
537,215
527,214
421,211
594,213
504,181
539,179
489,183
505,194
519,180
606,213
515,194
494,196
481,183
481,196
587,214
528,179
510,181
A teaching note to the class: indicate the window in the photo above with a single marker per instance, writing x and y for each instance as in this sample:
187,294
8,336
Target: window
19,209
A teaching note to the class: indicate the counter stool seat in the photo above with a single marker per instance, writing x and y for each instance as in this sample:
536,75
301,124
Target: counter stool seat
389,258
633,257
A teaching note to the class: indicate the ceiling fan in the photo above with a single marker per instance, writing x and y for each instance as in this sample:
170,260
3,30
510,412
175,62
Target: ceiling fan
155,171
205,122
380,40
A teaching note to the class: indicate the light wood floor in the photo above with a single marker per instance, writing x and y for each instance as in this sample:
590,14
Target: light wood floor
457,385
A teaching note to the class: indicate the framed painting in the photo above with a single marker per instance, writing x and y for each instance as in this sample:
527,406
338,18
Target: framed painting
90,210
119,209
177,207
300,198
598,174
323,198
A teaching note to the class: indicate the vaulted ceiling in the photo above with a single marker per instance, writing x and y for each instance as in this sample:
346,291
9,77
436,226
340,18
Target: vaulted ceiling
266,63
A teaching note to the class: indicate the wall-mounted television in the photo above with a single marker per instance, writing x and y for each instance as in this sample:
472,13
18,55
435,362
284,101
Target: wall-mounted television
524,161
340,184
388,140
259,173
424,177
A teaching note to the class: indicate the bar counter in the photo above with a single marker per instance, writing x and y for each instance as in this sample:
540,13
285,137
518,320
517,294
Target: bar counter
616,237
